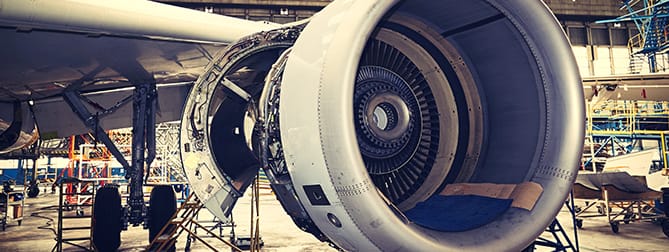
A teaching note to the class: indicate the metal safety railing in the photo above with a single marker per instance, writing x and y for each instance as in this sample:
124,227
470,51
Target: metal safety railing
624,122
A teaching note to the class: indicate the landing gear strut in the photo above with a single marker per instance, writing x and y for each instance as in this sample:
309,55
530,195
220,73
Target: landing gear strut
144,100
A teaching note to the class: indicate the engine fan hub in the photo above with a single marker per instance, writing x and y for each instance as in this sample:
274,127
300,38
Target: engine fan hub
387,116
385,113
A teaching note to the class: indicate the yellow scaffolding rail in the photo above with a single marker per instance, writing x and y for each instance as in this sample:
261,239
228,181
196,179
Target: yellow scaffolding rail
631,110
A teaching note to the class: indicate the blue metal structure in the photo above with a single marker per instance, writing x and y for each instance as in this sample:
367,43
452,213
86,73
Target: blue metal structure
651,19
621,127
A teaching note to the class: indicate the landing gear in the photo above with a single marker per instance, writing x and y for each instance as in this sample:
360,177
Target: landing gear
107,219
162,205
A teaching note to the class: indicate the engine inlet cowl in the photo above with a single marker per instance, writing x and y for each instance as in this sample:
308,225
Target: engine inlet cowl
406,97
367,115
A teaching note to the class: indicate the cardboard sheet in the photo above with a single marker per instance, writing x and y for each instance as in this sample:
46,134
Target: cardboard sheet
524,195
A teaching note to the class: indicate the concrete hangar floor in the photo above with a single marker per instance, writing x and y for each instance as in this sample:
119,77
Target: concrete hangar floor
37,231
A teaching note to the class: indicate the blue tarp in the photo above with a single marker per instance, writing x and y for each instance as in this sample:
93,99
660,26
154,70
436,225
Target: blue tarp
455,213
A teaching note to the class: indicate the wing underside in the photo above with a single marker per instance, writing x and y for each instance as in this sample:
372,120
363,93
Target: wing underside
102,50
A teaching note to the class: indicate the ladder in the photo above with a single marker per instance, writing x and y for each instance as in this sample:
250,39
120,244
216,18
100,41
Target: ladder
560,241
636,63
74,222
589,157
182,220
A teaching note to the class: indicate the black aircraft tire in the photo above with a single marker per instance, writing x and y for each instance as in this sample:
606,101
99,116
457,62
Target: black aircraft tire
107,219
665,227
162,206
33,191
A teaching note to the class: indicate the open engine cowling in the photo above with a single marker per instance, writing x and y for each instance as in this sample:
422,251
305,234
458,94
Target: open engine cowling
374,106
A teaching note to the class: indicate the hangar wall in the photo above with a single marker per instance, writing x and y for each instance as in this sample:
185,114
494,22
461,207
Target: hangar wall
600,49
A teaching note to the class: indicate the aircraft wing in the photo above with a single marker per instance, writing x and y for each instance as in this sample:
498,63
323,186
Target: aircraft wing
104,46
39,65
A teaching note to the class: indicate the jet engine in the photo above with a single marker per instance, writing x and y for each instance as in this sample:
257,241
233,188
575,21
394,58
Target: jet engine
370,108
17,128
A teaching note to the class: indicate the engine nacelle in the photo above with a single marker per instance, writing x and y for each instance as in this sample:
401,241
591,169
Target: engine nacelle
373,107
17,127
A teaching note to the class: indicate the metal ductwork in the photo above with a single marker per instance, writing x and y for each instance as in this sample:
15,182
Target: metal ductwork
372,107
